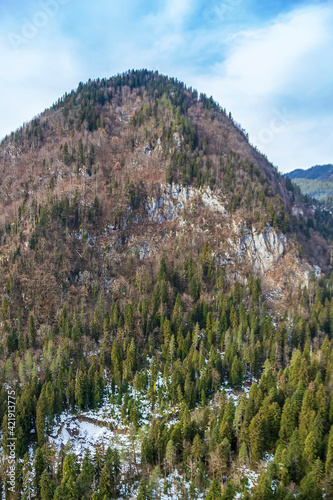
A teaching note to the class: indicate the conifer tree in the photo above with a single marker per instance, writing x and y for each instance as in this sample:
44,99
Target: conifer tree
32,329
310,489
41,412
170,454
144,491
86,476
70,472
257,436
229,491
243,454
329,457
215,491
47,486
39,466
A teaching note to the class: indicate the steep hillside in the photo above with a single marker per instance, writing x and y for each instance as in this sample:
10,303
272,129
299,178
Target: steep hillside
154,268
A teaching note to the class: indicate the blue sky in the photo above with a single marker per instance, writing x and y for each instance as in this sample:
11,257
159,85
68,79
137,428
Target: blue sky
269,63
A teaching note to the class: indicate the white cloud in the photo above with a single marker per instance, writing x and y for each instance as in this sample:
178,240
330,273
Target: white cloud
282,69
263,61
171,16
176,11
34,77
303,144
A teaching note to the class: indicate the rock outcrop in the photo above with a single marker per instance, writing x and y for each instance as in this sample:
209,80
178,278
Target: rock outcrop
262,249
172,199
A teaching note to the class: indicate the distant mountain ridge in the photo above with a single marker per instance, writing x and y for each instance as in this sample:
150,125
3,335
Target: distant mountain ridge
316,181
318,172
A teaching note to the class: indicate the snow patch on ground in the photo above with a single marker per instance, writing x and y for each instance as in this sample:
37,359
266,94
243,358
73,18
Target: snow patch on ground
105,425
317,271
83,435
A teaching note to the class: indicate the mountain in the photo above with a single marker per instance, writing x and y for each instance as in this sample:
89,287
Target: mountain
166,292
318,172
316,182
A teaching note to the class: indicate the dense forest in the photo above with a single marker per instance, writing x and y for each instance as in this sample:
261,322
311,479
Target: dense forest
217,375
321,190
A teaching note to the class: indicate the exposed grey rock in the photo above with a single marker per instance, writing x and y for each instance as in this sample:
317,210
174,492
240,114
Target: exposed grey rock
171,201
297,211
262,249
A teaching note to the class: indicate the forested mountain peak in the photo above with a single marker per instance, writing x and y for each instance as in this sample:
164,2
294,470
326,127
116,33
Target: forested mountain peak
150,257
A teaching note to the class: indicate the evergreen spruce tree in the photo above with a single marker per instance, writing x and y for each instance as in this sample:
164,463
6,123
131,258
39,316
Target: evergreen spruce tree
215,491
144,491
229,491
257,436
86,476
41,412
310,489
329,456
47,486
39,466
70,472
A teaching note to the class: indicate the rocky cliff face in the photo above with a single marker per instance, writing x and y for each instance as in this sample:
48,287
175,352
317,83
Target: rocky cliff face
181,218
172,200
263,249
